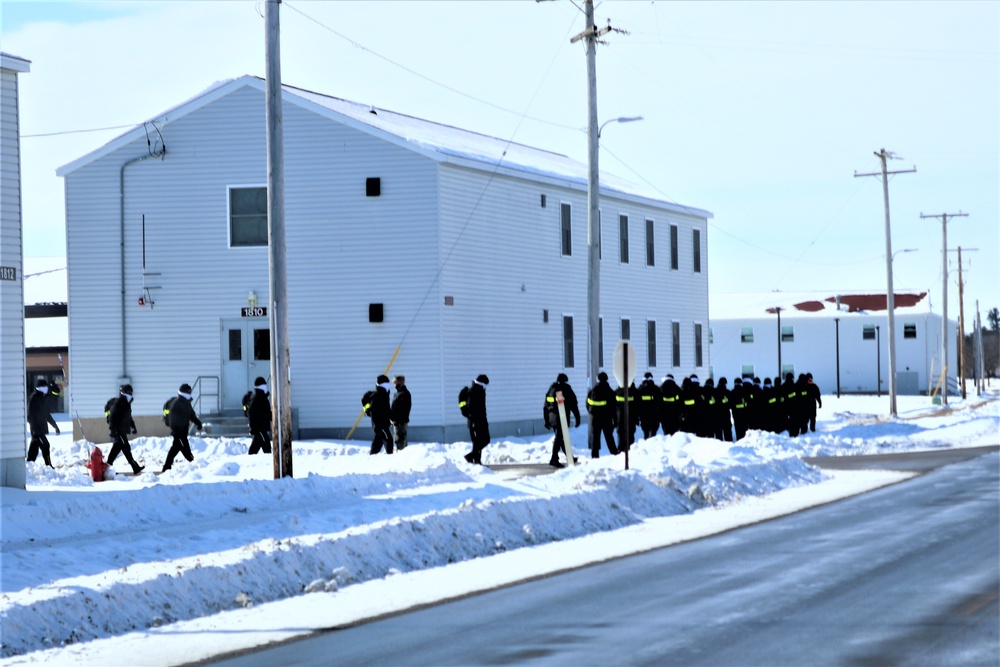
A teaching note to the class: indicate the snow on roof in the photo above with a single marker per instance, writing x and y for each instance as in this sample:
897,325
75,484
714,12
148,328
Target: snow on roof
746,305
440,142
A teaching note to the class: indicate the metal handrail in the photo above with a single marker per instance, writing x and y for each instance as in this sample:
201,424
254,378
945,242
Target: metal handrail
201,389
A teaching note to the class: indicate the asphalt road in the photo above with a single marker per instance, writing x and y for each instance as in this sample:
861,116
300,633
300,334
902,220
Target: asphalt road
905,575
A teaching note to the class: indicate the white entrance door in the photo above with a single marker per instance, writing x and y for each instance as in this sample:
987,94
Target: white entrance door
246,354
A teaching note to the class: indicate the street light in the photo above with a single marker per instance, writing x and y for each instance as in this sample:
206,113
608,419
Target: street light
593,238
620,119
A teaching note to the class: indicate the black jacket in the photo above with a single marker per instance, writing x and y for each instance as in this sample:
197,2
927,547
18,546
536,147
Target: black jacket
120,420
181,415
399,411
380,410
39,416
477,403
259,412
601,403
551,410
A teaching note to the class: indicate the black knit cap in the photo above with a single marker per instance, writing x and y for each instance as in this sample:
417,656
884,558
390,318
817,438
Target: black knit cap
381,379
562,377
42,383
184,389
259,381
482,379
125,389
602,376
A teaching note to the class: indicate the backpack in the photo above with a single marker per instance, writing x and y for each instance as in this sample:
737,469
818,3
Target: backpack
463,401
166,409
366,401
107,408
247,397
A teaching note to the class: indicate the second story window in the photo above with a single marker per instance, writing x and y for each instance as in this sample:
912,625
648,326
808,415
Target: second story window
247,217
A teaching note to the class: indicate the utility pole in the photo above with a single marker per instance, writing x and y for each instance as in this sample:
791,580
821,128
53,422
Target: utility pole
591,35
944,296
980,366
961,328
884,155
281,405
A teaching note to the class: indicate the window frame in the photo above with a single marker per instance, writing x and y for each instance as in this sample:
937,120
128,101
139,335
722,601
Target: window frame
746,334
569,359
909,330
699,359
651,343
696,249
565,229
868,332
675,248
787,333
650,243
623,240
230,219
675,344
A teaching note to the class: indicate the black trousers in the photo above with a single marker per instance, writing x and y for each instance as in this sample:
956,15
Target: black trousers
599,427
179,446
121,446
479,433
261,441
382,439
39,442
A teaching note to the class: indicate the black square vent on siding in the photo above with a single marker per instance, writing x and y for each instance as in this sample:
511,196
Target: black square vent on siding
373,187
374,312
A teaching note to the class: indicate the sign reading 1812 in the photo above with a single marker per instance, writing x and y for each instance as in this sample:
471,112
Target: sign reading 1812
256,311
8,273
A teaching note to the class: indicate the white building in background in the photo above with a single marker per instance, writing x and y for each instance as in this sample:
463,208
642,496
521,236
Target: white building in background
841,339
465,253
13,407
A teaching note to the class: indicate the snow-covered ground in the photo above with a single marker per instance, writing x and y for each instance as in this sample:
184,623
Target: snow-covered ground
161,569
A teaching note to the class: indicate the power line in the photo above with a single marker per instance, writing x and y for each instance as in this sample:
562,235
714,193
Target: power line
93,129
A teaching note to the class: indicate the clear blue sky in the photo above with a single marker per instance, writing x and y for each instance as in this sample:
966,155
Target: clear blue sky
760,112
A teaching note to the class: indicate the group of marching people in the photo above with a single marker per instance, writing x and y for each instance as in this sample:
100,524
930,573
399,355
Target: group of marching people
710,410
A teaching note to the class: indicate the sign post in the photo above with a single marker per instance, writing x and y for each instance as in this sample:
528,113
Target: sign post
564,425
624,368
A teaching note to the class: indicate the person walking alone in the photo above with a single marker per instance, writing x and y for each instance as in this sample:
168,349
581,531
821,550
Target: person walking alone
479,425
399,412
121,425
259,416
39,418
179,419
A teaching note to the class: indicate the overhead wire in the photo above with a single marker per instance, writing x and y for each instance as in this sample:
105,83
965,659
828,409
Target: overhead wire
496,167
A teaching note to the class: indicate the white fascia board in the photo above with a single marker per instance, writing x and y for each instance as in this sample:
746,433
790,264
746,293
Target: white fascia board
211,94
14,63
574,183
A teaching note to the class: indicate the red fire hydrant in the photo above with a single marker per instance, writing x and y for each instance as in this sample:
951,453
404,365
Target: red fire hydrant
97,465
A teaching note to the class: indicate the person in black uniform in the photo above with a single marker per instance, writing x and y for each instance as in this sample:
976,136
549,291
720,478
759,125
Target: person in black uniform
601,407
724,405
626,428
649,406
479,425
399,412
739,401
39,418
381,416
692,406
790,406
179,420
813,399
670,409
551,414
121,425
259,416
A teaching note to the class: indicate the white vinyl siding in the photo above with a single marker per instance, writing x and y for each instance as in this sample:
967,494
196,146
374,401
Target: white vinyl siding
12,373
460,254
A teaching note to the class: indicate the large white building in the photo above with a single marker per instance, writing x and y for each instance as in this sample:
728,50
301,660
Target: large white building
841,339
13,411
465,253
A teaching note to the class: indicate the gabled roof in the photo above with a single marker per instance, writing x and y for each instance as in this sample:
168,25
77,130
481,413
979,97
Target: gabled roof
443,143
748,306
